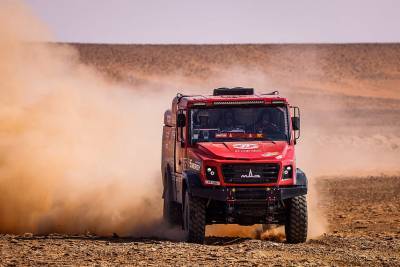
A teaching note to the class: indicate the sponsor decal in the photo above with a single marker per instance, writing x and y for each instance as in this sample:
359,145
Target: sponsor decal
212,182
270,154
192,164
245,146
221,135
238,135
250,175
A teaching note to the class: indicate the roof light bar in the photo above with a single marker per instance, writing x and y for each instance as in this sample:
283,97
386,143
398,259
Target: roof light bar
239,102
199,104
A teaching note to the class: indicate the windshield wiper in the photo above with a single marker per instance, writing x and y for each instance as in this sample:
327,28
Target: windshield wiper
247,140
269,139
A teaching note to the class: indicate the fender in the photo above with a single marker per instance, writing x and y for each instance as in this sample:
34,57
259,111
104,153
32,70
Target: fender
299,189
190,181
301,178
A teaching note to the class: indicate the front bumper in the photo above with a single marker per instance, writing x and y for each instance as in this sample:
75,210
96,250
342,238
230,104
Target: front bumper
249,194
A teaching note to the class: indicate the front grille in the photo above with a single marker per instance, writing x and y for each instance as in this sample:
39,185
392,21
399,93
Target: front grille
256,173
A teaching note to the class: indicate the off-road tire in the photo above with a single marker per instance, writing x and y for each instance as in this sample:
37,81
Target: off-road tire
194,218
296,220
172,211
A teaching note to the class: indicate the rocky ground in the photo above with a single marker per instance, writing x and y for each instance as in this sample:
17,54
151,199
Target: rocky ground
363,213
350,104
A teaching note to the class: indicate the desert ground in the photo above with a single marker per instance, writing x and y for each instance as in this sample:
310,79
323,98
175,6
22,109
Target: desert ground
364,223
350,148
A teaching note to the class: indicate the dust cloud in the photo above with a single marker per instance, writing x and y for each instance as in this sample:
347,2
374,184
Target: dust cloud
78,153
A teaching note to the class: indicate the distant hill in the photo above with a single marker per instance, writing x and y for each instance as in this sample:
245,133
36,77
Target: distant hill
370,69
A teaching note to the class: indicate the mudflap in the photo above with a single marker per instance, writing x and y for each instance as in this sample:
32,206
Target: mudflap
301,178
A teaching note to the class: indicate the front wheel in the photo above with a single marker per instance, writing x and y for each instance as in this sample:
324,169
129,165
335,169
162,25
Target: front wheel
194,218
296,220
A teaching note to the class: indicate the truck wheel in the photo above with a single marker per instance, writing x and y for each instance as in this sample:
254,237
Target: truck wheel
194,218
172,211
296,220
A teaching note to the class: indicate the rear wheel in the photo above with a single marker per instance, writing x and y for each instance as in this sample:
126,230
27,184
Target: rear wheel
194,218
296,220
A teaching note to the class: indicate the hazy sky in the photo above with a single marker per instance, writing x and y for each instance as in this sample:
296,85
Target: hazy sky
221,21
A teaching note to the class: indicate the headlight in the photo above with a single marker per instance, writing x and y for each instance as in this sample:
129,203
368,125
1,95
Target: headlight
212,175
287,172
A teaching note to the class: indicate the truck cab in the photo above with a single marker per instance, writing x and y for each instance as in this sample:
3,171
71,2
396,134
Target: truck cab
229,158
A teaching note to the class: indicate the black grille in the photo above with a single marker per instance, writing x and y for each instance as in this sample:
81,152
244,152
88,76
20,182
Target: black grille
256,173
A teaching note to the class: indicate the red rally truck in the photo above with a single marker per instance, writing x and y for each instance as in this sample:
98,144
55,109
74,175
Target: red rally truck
229,158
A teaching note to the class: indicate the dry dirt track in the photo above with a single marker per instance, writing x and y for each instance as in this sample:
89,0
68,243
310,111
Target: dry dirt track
350,104
364,217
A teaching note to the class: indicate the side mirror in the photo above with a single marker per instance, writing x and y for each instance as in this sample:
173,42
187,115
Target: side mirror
181,120
296,123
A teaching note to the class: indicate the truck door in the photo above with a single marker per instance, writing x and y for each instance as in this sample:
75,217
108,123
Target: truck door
180,138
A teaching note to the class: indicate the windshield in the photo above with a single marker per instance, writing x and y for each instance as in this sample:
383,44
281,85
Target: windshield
239,124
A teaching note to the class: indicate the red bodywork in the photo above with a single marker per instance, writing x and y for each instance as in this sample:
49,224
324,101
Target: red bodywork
217,153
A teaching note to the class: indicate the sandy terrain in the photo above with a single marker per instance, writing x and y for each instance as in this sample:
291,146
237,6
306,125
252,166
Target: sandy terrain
350,101
80,138
352,69
363,214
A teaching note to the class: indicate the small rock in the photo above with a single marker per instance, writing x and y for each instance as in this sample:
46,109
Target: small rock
28,235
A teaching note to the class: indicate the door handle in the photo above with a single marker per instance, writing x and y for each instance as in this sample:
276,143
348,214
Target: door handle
179,162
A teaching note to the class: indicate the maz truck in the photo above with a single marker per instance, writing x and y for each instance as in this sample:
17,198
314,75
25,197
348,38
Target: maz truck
229,158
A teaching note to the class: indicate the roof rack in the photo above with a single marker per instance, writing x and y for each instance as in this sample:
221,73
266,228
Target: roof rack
180,95
233,91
